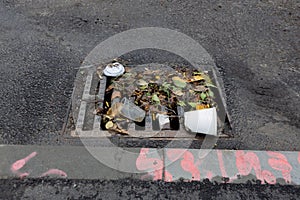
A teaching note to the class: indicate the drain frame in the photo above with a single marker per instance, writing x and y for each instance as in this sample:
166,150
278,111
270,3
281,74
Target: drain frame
96,131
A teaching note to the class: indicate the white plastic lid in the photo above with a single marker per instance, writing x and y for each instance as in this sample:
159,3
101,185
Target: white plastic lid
114,69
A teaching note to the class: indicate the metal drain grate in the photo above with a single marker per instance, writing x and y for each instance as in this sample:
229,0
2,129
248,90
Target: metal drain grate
89,125
150,122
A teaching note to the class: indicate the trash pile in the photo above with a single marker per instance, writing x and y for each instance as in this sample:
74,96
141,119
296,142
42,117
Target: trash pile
133,93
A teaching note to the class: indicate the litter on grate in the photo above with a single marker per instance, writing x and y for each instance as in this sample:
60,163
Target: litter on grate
161,122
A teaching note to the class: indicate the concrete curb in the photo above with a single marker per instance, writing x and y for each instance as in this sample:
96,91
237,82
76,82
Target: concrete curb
230,166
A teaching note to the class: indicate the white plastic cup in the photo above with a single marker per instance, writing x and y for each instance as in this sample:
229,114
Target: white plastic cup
131,111
202,121
162,119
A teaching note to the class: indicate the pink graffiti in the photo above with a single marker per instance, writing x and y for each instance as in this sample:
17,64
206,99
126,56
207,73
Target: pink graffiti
54,172
187,163
222,167
245,162
221,163
175,154
279,162
168,176
153,166
16,166
19,164
209,175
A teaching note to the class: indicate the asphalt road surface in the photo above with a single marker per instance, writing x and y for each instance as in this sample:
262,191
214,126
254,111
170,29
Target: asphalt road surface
255,45
134,189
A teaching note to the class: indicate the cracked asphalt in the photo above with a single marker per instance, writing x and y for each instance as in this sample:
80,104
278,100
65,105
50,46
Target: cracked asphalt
255,45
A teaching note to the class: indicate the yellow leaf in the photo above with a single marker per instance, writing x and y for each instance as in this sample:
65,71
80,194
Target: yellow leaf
201,106
109,125
198,78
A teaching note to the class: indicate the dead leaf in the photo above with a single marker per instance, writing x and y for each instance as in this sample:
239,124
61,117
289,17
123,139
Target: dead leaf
210,85
110,87
116,94
127,69
116,129
109,124
207,79
200,88
196,78
141,82
98,111
147,107
147,72
114,110
179,82
177,92
106,116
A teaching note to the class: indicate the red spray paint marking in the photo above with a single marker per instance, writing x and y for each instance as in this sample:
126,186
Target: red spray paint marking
221,163
209,175
187,163
175,154
279,162
153,164
245,162
16,166
168,176
268,177
222,167
54,172
20,163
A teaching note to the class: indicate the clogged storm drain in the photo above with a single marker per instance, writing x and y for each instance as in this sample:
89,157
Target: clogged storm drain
159,100
147,101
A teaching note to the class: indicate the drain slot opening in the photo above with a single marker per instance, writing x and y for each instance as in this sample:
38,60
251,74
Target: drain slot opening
150,122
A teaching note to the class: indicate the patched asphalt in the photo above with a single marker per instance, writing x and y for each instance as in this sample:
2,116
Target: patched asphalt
255,45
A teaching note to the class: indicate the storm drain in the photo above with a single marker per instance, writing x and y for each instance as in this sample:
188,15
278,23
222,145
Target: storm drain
93,95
